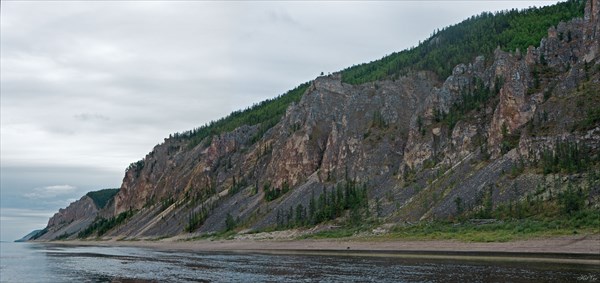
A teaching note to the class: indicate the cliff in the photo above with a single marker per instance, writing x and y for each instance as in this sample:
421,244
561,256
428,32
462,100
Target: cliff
68,221
420,146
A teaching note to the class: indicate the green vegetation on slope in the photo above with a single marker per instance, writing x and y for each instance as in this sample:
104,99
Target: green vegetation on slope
475,99
102,225
568,157
267,114
582,222
549,211
562,213
274,193
331,204
102,197
460,43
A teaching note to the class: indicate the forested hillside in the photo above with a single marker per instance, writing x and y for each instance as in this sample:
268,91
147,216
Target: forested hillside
266,113
478,35
102,197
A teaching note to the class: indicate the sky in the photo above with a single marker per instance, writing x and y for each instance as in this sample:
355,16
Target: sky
88,87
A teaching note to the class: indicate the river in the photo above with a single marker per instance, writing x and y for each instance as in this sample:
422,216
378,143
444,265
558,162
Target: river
36,262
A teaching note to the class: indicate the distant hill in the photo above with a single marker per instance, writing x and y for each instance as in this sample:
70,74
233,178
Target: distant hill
29,236
102,197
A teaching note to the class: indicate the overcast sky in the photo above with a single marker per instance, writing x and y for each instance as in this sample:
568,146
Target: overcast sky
90,87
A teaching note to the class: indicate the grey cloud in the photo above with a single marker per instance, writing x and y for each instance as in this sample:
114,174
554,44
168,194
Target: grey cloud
50,191
91,117
282,17
16,213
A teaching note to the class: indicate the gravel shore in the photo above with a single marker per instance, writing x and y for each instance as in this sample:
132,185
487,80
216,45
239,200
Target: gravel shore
577,249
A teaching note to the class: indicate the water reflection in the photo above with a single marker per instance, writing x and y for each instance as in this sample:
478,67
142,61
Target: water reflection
53,263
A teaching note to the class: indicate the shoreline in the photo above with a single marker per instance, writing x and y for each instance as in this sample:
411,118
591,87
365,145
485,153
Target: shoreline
583,249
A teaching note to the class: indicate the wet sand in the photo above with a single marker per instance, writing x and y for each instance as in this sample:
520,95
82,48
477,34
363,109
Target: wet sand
584,249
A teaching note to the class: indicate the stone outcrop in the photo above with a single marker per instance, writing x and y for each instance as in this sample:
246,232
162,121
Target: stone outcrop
72,219
515,107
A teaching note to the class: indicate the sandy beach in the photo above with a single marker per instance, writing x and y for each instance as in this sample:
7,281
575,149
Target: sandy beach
583,249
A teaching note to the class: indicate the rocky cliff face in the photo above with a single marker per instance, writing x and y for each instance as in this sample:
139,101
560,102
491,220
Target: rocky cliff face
416,143
68,221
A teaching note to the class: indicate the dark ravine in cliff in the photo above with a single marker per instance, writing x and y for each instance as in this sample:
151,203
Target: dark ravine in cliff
386,135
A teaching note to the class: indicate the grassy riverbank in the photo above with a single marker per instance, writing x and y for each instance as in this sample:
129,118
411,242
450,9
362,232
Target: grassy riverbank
581,222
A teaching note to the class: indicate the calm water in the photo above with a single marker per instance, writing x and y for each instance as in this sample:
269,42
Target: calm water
26,262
